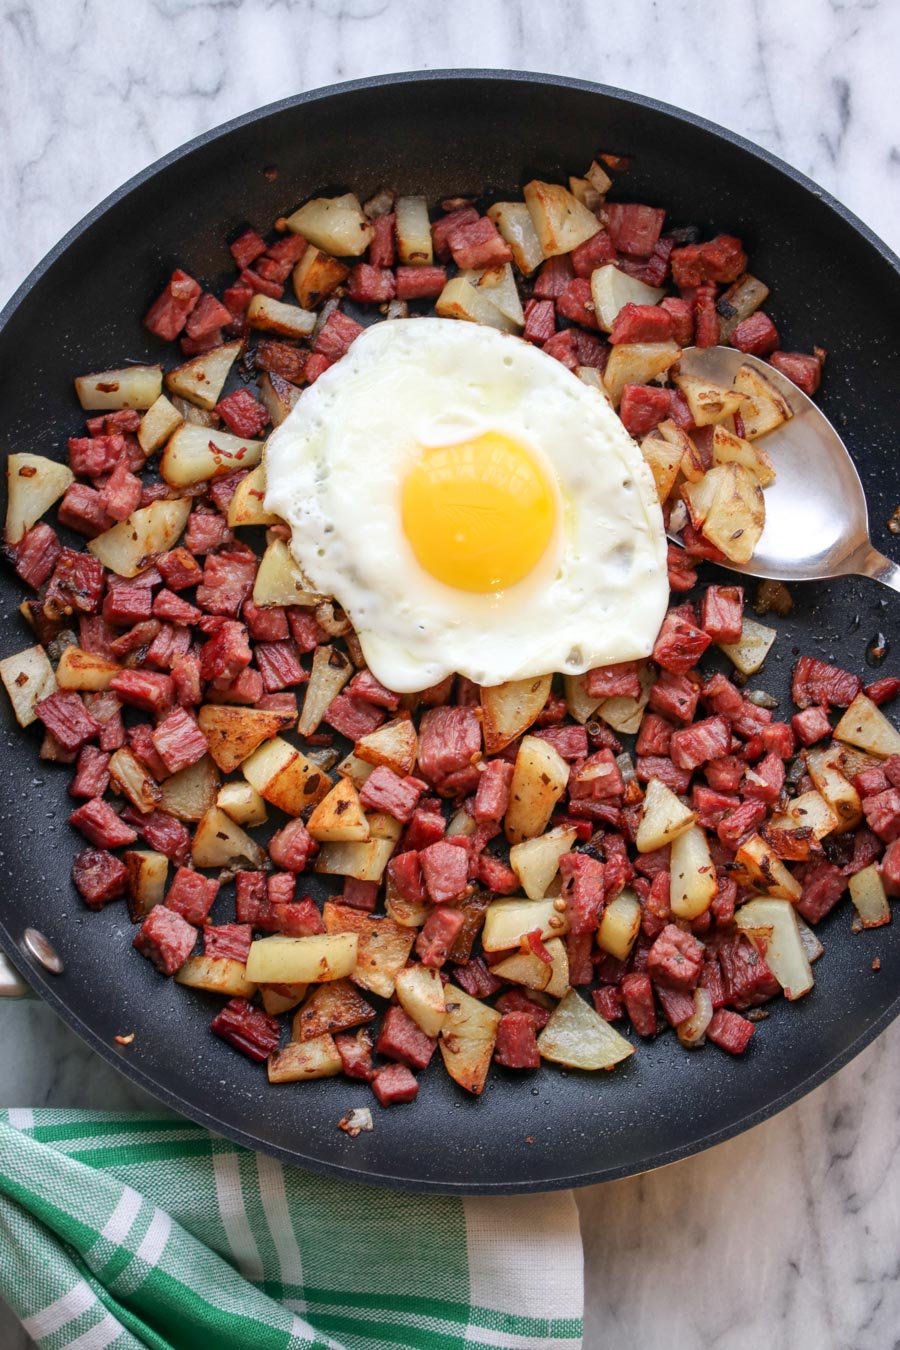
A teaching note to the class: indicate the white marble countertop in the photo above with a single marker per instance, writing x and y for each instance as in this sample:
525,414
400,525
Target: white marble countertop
790,1235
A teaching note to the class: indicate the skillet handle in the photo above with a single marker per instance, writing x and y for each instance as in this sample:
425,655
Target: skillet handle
875,565
11,983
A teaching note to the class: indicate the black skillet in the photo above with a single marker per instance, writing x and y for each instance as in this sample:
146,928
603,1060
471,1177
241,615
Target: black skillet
833,284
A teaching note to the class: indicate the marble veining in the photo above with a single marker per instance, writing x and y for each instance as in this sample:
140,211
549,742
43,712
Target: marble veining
790,1235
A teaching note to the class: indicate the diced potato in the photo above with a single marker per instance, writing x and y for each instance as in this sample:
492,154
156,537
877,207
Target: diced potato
731,449
869,898
334,224
413,230
468,1037
146,882
189,793
580,703
536,861
507,921
460,300
285,777
808,811
694,885
280,998
539,780
560,221
735,519
664,460
500,285
591,376
709,402
130,387
274,316
157,425
579,1038
302,960
134,780
234,732
331,1007
513,220
363,861
585,192
511,708
128,548
839,793
395,744
243,803
34,483
278,395
523,968
420,991
626,714
811,944
331,670
339,817
219,842
620,925
408,913
612,290
599,179
355,769
246,505
27,677
202,379
297,1063
758,866
279,580
637,363
316,276
765,408
742,299
216,975
559,971
194,454
82,670
383,950
783,949
750,651
865,725
664,818
190,412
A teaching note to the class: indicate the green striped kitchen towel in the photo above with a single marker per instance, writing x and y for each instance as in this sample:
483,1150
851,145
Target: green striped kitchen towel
131,1230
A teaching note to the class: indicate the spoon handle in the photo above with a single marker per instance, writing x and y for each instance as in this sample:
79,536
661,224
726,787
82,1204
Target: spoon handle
876,565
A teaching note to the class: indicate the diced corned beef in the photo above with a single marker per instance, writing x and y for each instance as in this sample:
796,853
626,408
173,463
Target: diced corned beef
94,456
95,635
723,697
553,277
98,876
654,736
228,579
402,1040
676,1005
250,896
641,323
870,781
287,703
270,269
598,778
162,832
593,253
478,243
680,644
191,895
243,414
637,996
66,718
394,1083
648,767
365,686
607,1002
353,717
516,1046
814,681
697,744
570,742
682,316
805,371
226,654
292,847
100,825
170,644
140,740
575,347
227,941
441,229
145,689
370,285
620,680
756,335
381,249
168,314
495,875
476,978
722,613
110,423
633,228
279,666
244,688
37,554
582,890
305,630
576,303
179,569
206,530
729,1031
82,510
764,783
179,741
385,790
262,285
891,767
890,869
740,823
360,894
405,873
200,346
747,978
166,939
778,737
266,625
207,317
173,609
721,259
444,871
186,681
281,358
540,321
881,691
520,1001
440,931
811,725
711,806
675,959
426,827
289,249
247,248
105,709
449,743
643,407
707,328
823,886
248,1029
336,335
127,604
882,813
355,1051
492,796
300,918
92,776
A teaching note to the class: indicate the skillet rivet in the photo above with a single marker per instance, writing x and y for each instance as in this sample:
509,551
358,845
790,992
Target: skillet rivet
43,951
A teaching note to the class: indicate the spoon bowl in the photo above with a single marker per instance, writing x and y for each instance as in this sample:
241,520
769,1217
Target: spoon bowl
817,523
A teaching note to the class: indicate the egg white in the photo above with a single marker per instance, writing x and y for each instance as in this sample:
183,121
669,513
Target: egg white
335,470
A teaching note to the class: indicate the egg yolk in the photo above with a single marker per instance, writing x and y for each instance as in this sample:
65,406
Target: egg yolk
479,515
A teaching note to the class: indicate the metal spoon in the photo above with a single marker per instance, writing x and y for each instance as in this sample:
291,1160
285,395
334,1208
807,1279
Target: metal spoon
817,525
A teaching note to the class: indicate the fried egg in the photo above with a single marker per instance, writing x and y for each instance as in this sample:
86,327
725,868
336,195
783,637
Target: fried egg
472,505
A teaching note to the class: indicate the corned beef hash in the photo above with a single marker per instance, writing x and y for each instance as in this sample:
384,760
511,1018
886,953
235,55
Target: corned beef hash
395,596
